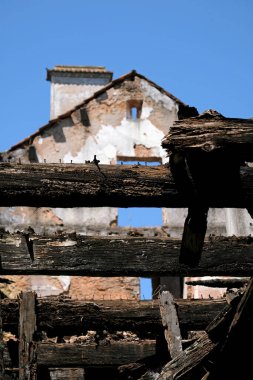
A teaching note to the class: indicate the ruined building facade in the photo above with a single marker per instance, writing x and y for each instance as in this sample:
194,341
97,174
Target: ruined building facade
120,120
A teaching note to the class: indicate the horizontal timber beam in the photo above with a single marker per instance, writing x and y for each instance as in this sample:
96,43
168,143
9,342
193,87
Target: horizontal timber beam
92,355
209,132
88,185
116,256
63,316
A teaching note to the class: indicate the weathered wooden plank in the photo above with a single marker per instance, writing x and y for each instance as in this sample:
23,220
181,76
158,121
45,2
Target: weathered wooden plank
115,256
76,185
181,366
236,282
92,355
206,154
27,327
170,323
64,316
212,131
66,373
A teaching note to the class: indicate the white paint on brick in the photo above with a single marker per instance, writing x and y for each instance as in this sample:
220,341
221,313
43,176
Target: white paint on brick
111,141
157,96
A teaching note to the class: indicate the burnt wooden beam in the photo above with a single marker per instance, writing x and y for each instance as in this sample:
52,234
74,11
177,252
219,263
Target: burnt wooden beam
87,185
92,355
116,256
77,185
237,282
63,316
170,323
212,131
27,328
206,155
66,373
186,365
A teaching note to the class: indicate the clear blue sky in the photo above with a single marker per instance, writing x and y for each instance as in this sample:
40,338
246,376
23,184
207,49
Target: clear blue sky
199,50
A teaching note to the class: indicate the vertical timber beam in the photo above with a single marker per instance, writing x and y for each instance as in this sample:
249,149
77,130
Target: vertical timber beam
27,327
171,324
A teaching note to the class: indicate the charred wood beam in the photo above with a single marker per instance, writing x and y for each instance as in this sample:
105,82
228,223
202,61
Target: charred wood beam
115,256
186,365
220,282
206,155
212,131
76,185
62,316
27,328
66,373
170,323
92,355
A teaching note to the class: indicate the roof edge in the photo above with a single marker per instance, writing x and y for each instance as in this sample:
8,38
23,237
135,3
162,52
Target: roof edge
184,109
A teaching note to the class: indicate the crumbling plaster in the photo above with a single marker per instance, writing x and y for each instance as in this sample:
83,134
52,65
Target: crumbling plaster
110,133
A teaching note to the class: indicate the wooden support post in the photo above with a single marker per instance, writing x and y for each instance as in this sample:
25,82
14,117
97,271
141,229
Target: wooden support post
27,327
170,323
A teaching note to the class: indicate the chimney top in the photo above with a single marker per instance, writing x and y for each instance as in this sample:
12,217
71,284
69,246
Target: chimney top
79,71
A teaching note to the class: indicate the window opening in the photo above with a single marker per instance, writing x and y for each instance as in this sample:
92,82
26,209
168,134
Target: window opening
134,113
133,109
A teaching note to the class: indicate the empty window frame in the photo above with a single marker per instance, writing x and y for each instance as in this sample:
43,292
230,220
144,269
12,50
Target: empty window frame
133,109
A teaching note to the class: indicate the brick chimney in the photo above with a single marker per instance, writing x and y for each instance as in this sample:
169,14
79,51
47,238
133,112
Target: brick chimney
71,85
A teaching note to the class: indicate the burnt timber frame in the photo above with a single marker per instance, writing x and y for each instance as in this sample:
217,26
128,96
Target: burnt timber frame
91,185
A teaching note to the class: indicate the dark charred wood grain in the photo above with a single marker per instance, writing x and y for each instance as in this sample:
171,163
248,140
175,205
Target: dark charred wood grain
212,133
62,316
186,365
75,185
114,354
115,256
